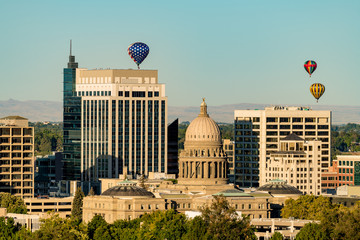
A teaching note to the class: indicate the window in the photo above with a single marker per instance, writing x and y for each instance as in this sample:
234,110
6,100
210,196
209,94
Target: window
138,94
156,94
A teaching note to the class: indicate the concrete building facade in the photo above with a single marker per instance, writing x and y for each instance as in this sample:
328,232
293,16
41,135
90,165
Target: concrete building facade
297,163
41,206
16,156
258,134
124,123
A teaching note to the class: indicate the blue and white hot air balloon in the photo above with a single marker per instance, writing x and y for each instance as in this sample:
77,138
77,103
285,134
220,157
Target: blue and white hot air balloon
138,52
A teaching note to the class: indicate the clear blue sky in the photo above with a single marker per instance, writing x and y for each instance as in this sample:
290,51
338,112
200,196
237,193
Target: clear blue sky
227,51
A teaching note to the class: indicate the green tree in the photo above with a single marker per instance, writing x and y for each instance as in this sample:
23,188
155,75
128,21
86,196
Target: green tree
91,192
45,146
58,228
50,134
96,223
224,223
312,231
142,181
125,229
59,144
13,204
77,205
8,228
277,236
196,228
307,207
227,131
162,225
347,224
103,233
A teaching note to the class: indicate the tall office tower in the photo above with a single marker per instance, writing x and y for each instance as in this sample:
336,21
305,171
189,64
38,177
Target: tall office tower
124,123
258,132
72,123
173,147
16,156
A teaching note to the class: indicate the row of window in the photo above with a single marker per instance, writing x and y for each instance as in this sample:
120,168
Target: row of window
295,119
15,131
93,93
120,93
346,163
345,170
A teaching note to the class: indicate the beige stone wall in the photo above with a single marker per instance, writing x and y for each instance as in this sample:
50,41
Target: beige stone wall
300,169
115,208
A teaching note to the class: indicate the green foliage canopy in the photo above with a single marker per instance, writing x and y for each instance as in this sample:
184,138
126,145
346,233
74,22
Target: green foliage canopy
48,137
76,211
12,203
307,207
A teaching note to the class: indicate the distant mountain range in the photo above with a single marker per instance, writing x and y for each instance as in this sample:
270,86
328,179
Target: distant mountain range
52,111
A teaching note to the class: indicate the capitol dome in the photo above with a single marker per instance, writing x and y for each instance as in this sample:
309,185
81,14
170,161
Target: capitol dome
203,160
127,189
203,128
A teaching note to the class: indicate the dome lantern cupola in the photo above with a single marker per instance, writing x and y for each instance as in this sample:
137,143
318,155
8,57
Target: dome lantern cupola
203,109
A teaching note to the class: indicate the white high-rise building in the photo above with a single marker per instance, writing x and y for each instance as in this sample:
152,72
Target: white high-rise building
258,134
123,123
298,163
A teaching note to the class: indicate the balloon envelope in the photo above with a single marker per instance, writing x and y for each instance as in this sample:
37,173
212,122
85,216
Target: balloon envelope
310,66
138,52
317,90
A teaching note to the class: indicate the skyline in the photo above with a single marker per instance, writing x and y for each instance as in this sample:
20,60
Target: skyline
189,45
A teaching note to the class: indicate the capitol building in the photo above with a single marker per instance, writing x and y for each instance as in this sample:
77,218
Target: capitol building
202,175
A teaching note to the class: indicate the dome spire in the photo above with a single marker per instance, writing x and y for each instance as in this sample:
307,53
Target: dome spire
203,109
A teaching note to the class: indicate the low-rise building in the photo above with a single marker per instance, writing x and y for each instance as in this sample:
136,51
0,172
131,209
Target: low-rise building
31,222
41,206
265,228
345,170
128,201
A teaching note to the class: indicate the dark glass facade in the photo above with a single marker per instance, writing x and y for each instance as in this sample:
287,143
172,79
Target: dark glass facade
72,124
173,148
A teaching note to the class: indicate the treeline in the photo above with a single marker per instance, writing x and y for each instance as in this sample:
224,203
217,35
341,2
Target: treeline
48,137
334,221
219,221
345,138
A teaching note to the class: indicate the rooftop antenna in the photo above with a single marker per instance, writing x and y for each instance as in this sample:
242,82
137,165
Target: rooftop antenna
72,63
